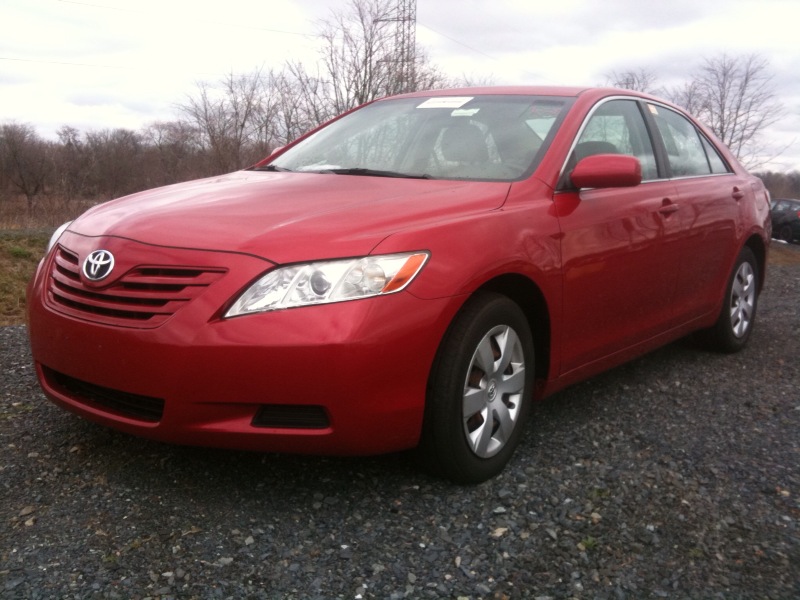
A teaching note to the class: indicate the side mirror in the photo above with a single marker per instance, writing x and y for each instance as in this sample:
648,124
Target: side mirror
607,171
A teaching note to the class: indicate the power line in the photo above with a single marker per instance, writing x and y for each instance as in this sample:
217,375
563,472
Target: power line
405,39
62,62
191,19
406,18
65,63
452,39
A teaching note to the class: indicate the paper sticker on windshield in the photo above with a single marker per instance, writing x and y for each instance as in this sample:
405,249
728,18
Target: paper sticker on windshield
465,112
446,102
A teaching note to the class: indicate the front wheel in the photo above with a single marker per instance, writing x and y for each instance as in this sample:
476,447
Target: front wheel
737,316
479,391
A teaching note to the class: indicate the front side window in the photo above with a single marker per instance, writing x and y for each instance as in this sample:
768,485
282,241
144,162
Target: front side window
445,137
617,127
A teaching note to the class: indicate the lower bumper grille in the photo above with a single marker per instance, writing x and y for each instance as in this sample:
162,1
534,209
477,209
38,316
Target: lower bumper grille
287,416
133,406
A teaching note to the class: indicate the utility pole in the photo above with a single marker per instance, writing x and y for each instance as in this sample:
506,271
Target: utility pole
406,43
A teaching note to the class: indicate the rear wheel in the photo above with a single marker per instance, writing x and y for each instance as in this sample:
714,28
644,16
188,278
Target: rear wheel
785,233
737,317
479,392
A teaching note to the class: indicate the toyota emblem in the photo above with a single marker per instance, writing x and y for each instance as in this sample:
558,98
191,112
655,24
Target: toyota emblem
98,265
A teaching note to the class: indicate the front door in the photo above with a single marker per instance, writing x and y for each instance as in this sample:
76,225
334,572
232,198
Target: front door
618,246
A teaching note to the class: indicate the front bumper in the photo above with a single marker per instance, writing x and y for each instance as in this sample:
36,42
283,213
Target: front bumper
347,378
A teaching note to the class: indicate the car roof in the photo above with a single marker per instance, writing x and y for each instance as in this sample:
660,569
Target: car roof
587,94
526,90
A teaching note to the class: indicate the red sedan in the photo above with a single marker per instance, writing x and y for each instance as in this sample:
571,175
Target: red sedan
412,274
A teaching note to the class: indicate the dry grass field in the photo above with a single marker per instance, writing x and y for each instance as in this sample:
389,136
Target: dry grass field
20,252
784,254
24,234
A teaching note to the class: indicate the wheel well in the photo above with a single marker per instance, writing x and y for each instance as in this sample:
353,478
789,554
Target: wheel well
756,244
529,298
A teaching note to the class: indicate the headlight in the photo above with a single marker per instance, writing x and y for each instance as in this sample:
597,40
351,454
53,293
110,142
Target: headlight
331,281
57,234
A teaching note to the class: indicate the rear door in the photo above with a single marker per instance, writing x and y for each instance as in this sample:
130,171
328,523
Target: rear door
710,196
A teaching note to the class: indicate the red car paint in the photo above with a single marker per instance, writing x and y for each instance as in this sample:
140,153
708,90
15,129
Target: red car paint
604,275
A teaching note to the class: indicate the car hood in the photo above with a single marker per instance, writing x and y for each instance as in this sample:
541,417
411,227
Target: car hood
285,217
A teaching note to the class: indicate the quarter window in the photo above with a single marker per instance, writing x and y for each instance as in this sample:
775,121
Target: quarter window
714,159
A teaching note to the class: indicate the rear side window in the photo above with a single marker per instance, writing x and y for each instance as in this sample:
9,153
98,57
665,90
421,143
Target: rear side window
786,205
688,152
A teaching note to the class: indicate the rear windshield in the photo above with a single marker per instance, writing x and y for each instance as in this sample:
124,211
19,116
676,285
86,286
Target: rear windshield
442,137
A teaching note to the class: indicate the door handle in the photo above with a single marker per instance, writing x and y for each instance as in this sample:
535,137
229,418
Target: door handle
668,207
737,193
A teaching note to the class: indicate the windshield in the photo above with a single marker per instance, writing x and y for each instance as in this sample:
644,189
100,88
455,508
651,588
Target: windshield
441,137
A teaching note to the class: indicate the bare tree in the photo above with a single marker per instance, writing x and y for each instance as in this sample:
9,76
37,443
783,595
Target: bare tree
241,118
25,160
72,164
115,162
301,103
174,152
640,80
735,96
358,55
427,76
782,185
226,116
359,62
469,80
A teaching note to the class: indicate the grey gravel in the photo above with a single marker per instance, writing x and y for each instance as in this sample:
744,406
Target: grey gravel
675,476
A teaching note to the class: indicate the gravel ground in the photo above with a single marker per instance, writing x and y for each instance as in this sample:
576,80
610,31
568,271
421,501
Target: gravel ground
675,476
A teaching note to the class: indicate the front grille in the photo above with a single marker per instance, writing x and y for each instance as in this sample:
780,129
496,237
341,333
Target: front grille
134,406
288,416
145,297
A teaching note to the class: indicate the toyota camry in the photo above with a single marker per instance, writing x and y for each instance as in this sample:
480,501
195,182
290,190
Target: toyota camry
413,274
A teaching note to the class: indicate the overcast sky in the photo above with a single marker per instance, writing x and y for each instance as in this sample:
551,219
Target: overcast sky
100,64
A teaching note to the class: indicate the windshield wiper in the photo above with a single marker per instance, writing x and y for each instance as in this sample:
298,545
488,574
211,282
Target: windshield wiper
375,173
273,168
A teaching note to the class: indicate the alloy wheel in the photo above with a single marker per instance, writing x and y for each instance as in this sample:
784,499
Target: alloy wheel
743,299
493,391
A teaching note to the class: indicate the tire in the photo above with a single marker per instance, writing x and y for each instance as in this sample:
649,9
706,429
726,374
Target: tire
785,234
479,391
737,315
